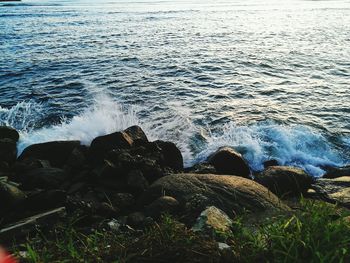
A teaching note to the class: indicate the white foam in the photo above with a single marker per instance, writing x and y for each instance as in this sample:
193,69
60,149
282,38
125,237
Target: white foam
289,145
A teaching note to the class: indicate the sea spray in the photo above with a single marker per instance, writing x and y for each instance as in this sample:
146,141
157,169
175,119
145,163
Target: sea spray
294,145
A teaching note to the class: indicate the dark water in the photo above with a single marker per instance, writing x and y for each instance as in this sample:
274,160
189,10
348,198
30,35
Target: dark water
270,78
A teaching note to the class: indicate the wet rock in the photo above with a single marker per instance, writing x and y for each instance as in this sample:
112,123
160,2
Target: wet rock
137,182
270,163
10,195
8,150
164,204
56,152
285,181
232,194
227,161
137,135
44,178
8,133
335,172
77,158
101,145
172,155
213,221
335,190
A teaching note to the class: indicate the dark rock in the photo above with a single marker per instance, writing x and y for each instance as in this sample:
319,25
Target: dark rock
137,135
136,219
231,194
57,152
101,145
10,195
44,178
29,164
172,155
164,204
77,158
8,133
334,172
8,150
227,161
137,182
270,163
201,168
285,181
107,210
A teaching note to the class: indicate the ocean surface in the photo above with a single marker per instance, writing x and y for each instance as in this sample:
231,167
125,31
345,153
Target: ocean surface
269,78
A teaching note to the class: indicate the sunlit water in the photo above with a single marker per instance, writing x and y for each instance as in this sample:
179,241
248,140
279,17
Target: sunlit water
270,78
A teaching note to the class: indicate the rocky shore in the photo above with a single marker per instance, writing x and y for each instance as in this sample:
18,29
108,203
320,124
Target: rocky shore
124,180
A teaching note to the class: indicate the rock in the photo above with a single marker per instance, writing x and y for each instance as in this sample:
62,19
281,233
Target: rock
28,225
172,155
270,163
136,219
137,135
10,195
29,164
121,200
334,172
201,168
8,150
231,194
164,204
213,221
106,210
285,181
101,145
44,178
77,158
137,182
335,190
56,152
227,161
114,225
8,133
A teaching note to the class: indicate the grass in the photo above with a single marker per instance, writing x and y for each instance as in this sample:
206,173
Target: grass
316,232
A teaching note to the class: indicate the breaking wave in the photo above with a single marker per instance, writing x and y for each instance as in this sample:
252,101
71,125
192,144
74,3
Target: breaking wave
289,145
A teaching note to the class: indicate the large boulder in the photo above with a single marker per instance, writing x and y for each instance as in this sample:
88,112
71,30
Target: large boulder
334,172
171,154
227,161
335,190
285,181
56,152
8,150
232,194
8,133
101,145
164,204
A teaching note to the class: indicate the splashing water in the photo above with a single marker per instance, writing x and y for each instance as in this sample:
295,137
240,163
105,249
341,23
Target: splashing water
289,145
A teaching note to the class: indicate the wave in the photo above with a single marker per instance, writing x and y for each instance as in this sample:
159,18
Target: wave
295,145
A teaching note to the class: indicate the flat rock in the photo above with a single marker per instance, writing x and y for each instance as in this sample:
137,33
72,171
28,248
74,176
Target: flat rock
333,190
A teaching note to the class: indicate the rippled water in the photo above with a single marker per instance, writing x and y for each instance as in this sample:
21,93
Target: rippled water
270,78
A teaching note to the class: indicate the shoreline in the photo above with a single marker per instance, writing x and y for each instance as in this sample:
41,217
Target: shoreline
125,177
